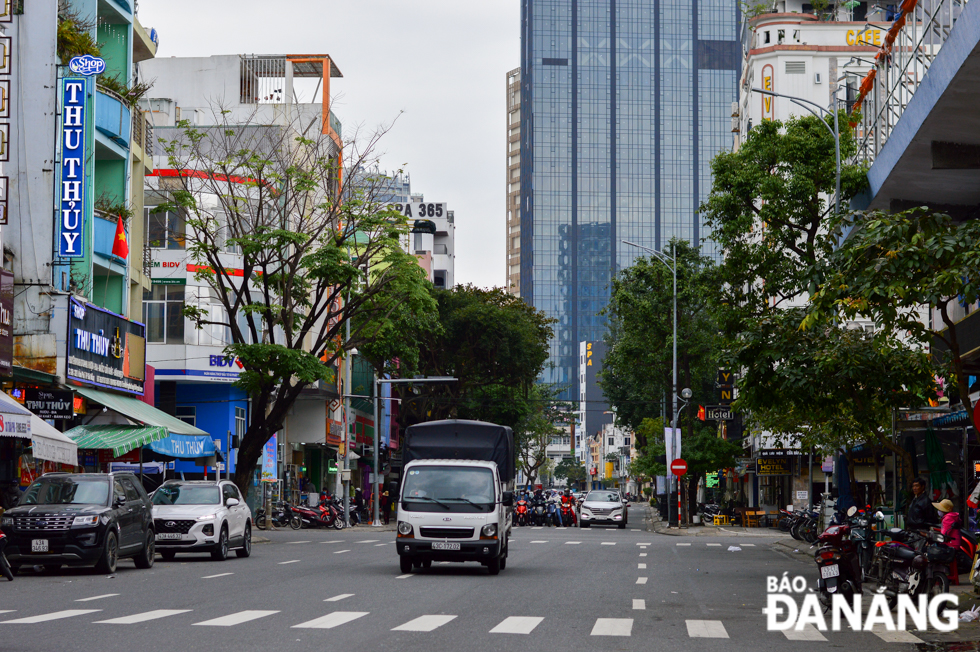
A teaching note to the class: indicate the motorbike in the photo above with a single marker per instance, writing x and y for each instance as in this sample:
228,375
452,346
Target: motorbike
838,560
325,514
568,515
4,566
553,515
282,515
912,563
522,512
538,512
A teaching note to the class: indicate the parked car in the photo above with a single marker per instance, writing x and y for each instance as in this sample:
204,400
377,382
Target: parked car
201,516
603,507
81,519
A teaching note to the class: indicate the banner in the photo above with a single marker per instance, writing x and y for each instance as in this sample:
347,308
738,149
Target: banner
270,466
74,159
105,349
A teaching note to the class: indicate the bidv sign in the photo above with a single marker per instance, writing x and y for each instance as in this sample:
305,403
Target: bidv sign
222,361
87,65
73,179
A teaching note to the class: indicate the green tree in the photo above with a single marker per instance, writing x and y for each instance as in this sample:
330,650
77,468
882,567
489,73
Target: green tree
310,256
545,419
571,470
891,266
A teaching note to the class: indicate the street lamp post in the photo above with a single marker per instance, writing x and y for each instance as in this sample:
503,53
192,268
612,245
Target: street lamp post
835,132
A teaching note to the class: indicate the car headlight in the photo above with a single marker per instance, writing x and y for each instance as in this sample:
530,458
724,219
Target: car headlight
83,521
7,521
404,528
207,517
489,530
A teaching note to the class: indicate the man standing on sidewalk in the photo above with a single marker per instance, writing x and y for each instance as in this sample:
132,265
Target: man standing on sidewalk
921,515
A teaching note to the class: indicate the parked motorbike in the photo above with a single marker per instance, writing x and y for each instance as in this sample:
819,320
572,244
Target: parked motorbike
323,515
282,515
912,563
4,566
837,559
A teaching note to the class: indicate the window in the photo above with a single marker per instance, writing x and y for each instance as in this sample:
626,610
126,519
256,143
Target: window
240,424
187,414
131,494
118,492
626,442
162,314
612,441
227,492
165,229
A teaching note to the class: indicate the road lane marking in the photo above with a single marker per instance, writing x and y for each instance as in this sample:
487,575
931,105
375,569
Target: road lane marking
335,541
517,625
634,530
331,620
706,629
403,577
423,624
211,577
612,627
368,541
296,543
445,562
97,597
340,552
608,543
143,617
747,545
683,544
716,545
55,615
537,527
291,561
572,543
639,604
10,611
539,542
237,618
641,566
896,636
641,580
380,544
643,554
643,544
338,598
809,633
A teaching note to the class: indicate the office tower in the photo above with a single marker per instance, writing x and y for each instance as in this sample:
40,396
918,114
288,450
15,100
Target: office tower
623,105
513,225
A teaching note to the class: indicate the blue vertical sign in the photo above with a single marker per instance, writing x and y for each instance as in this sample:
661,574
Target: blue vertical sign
270,453
73,162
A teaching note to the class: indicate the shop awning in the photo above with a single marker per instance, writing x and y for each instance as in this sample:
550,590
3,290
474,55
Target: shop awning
184,446
120,439
15,419
47,443
139,411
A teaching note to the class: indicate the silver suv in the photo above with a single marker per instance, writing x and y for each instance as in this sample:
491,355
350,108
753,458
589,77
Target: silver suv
201,516
603,507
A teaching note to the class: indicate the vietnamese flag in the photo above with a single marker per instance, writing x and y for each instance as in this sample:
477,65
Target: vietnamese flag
120,246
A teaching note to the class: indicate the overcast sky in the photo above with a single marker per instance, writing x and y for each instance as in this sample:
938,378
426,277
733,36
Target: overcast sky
443,63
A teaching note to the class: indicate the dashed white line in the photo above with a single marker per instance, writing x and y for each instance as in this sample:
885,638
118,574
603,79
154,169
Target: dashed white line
641,566
334,541
143,617
608,543
572,543
368,541
539,542
296,543
380,544
403,577
643,554
211,577
641,580
291,561
338,598
331,620
517,625
747,545
97,597
237,618
714,545
340,552
639,604
683,544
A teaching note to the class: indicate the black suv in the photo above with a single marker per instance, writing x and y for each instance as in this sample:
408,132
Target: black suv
80,519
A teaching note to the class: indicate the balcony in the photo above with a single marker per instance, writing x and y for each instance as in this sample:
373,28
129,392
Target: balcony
105,234
113,118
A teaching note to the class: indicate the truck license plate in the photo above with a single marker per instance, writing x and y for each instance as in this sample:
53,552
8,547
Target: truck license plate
168,535
39,545
445,546
829,571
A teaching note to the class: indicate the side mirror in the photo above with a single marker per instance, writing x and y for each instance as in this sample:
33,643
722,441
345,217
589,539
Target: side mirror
852,510
118,501
507,499
231,502
880,515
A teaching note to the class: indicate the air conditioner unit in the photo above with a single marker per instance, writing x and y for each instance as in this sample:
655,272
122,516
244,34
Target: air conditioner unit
735,109
817,78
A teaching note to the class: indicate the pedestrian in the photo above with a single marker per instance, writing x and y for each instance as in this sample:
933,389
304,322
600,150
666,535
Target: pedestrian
385,508
359,503
921,515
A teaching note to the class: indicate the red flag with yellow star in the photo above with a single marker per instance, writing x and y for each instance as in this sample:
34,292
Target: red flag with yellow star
120,245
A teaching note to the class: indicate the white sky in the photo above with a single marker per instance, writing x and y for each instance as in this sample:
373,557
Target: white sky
441,62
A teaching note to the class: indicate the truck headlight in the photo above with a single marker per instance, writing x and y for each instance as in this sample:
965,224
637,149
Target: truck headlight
404,528
84,521
489,530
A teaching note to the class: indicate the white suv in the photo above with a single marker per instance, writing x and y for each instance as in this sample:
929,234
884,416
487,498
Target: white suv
201,516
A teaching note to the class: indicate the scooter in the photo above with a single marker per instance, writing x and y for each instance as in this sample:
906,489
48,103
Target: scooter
538,512
838,562
568,515
912,563
522,512
282,515
323,515
4,566
554,515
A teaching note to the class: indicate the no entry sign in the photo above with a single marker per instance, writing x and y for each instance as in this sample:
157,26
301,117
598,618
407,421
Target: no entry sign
678,467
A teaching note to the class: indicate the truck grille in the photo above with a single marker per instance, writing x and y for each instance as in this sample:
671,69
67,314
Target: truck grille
44,523
169,525
446,532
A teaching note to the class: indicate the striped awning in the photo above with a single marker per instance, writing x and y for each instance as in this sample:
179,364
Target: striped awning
120,439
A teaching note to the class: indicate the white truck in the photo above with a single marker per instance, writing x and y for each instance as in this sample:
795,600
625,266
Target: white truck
456,498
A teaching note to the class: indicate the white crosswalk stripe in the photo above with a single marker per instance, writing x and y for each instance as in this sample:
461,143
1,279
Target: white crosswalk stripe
612,627
683,544
517,625
572,543
143,617
641,580
706,629
897,637
608,543
10,611
236,618
808,633
331,620
713,545
641,566
423,624
97,597
338,598
55,615
368,541
639,604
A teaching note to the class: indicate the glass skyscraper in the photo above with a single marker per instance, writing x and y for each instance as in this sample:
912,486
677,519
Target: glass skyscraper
623,105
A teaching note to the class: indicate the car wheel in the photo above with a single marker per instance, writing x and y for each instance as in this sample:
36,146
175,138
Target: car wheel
220,552
168,555
149,553
110,555
405,564
493,566
246,548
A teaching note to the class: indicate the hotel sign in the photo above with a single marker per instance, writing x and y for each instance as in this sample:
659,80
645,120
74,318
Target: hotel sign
73,161
768,101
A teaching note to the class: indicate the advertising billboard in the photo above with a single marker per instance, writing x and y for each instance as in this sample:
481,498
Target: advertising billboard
105,349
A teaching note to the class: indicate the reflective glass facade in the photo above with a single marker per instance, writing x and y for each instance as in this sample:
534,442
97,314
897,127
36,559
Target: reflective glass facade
623,105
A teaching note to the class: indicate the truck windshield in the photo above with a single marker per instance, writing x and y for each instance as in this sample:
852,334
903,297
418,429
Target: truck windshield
457,489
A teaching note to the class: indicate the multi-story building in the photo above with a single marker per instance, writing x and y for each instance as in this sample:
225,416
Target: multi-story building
594,410
623,107
513,225
432,239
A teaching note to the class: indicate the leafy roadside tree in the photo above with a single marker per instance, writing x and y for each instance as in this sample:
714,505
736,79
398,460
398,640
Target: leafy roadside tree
545,419
571,470
891,266
289,257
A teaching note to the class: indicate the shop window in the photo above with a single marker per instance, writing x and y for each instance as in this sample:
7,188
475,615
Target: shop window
187,414
165,229
163,307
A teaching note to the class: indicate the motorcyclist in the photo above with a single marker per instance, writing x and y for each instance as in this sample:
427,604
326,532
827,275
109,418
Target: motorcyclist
569,500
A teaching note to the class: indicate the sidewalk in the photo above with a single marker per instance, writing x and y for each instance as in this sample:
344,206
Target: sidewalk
655,524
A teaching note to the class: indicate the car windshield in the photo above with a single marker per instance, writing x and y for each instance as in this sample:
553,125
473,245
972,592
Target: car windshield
602,497
176,494
67,491
453,486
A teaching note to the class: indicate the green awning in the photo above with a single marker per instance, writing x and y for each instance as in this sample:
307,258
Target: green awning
138,411
121,439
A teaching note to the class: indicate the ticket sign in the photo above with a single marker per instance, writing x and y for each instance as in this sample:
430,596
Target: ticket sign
73,161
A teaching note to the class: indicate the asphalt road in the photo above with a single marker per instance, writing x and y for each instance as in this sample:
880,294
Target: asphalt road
563,589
